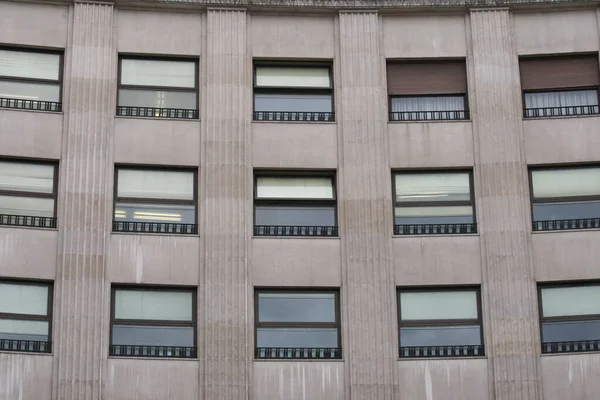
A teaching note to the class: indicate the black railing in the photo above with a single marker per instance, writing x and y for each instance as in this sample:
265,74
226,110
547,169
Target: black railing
429,115
276,230
31,346
571,347
294,116
124,350
36,105
560,111
564,224
435,229
153,112
442,351
297,353
25,220
155,227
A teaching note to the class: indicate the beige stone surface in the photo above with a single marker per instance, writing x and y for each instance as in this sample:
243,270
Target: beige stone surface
571,376
44,25
25,376
31,134
28,253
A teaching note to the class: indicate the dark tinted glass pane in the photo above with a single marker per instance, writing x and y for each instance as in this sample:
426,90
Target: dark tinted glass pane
571,210
440,336
570,331
296,337
296,307
168,213
30,91
292,102
157,99
295,215
23,330
153,335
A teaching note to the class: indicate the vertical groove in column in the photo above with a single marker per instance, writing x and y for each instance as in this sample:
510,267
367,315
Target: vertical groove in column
84,206
225,165
503,201
364,180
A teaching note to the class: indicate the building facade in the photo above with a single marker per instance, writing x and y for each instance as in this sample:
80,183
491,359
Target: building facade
299,199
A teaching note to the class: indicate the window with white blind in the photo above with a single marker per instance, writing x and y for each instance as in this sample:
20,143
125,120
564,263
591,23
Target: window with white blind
153,322
570,317
155,200
436,202
293,92
294,205
150,87
25,310
565,198
30,79
444,322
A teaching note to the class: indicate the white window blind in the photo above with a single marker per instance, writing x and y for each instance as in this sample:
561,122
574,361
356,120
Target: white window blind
294,188
24,64
428,103
27,206
168,185
292,77
438,305
566,182
455,211
582,300
432,187
153,305
26,177
21,327
568,98
158,73
23,299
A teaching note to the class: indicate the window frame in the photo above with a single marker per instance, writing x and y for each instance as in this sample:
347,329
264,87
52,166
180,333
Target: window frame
167,58
562,89
465,111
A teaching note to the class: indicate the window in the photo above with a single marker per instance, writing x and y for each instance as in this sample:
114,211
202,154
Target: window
153,322
560,85
437,202
25,322
570,317
150,87
30,79
293,92
297,324
440,322
155,201
565,198
427,90
300,205
28,193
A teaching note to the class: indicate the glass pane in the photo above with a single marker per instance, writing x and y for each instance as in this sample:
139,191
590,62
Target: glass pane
23,299
153,305
149,184
24,330
293,102
438,305
432,187
158,99
167,213
292,77
434,215
563,301
294,188
153,335
428,103
440,336
24,64
30,91
26,177
566,182
568,98
566,210
158,73
296,307
295,216
570,331
297,337
28,206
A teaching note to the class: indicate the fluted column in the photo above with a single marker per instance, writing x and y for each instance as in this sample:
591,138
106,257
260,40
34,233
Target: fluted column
503,199
369,306
81,313
226,207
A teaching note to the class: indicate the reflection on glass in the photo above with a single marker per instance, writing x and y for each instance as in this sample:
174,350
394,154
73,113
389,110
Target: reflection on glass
432,187
23,330
28,206
570,331
152,335
434,215
440,336
296,307
158,99
295,215
30,91
297,337
168,213
293,102
566,210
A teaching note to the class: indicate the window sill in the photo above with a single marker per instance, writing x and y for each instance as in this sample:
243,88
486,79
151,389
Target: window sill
37,228
561,117
31,111
573,353
565,230
436,235
157,118
430,121
441,358
293,122
27,353
153,358
311,360
193,235
295,237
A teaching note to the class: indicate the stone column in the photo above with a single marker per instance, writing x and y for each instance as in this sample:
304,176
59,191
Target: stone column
81,302
509,291
370,344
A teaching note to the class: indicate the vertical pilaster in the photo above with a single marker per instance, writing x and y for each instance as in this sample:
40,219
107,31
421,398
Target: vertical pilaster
226,205
81,316
369,316
502,199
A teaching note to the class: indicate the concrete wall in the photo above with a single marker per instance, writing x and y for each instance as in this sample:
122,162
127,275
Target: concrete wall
571,376
25,376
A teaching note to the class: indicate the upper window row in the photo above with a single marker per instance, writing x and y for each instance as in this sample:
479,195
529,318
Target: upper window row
418,90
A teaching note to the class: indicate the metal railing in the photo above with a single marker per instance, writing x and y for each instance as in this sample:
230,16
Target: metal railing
435,229
125,350
153,112
571,347
564,224
560,111
155,227
297,353
455,115
276,230
294,116
30,346
442,351
25,220
37,105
